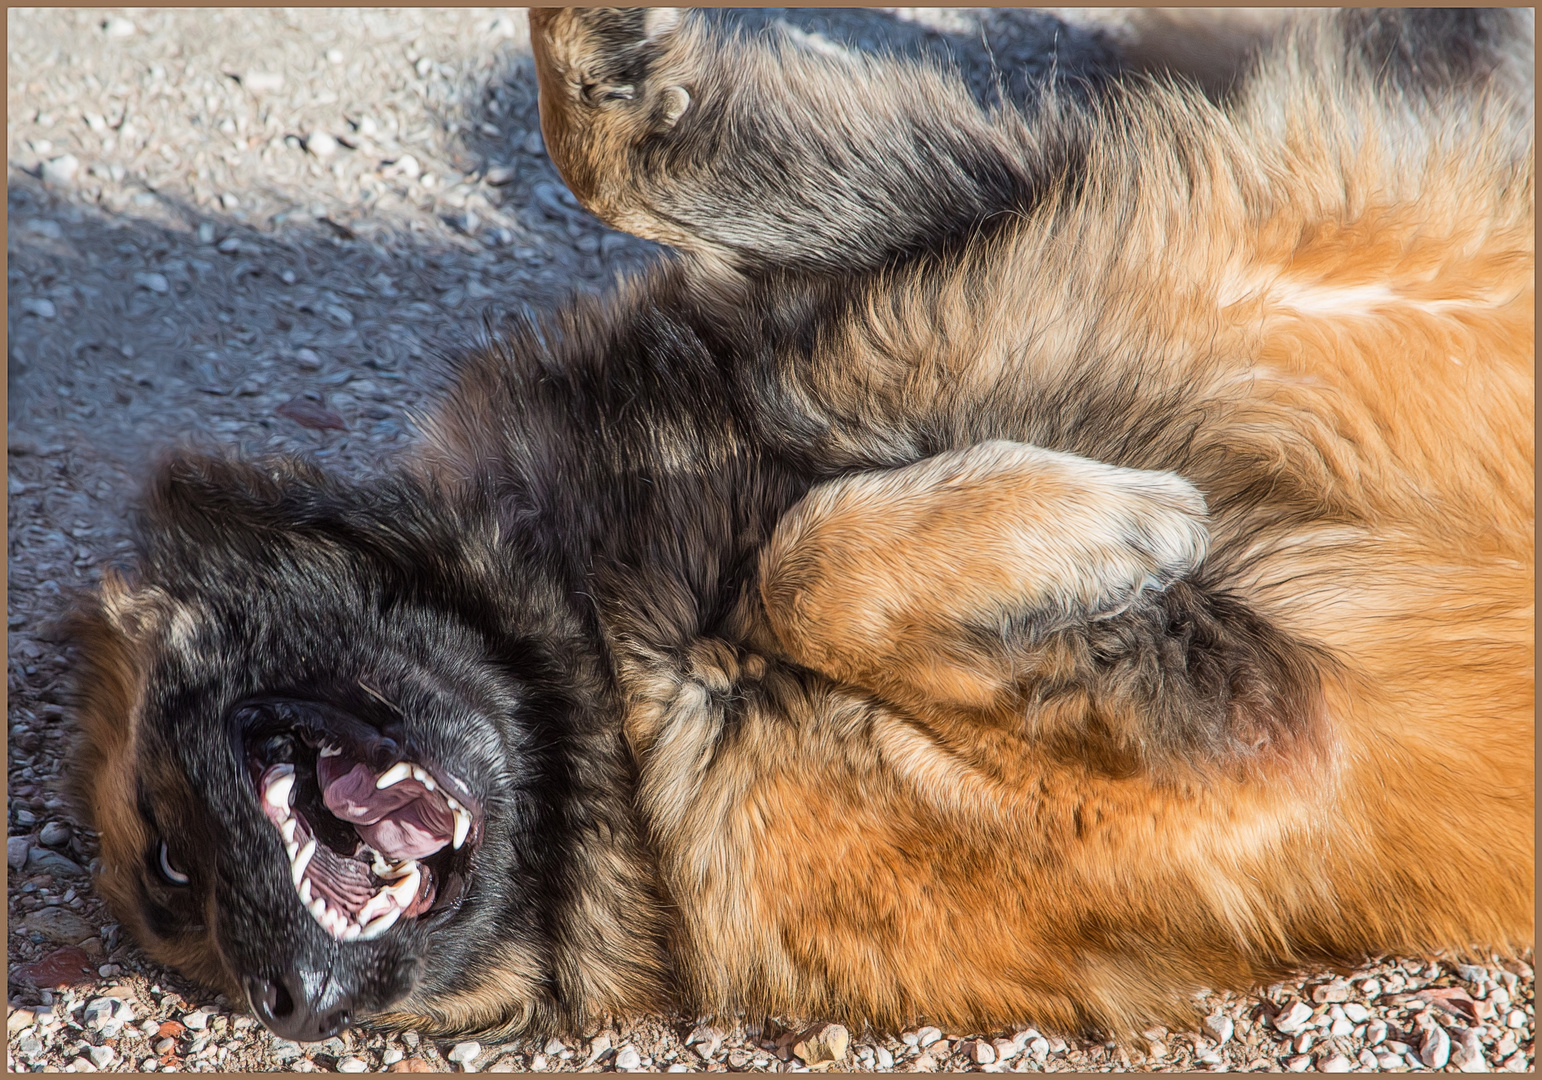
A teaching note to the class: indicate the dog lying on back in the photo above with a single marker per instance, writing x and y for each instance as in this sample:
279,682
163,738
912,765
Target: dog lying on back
1011,567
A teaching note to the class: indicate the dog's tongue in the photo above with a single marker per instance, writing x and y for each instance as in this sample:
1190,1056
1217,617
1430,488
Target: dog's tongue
403,821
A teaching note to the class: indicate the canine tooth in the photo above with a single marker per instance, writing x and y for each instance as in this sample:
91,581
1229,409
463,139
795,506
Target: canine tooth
405,891
421,776
462,827
277,794
302,860
380,925
328,750
352,932
291,849
402,870
378,904
394,775
305,891
287,829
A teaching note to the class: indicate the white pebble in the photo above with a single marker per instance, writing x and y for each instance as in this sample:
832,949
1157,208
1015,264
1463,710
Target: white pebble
927,1035
1039,1047
118,27
1341,1027
1294,1018
351,1065
627,1059
1516,1019
1435,1048
1220,1027
884,1058
1375,1032
391,1056
1357,1012
101,1056
321,144
1336,1063
262,81
463,1052
1299,1063
62,169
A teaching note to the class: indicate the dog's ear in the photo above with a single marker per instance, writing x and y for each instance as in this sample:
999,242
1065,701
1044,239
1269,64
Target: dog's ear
109,634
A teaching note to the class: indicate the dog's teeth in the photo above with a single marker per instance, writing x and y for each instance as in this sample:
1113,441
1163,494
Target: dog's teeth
329,750
302,860
452,803
394,775
287,829
462,827
406,891
291,849
337,922
401,870
420,774
380,925
352,932
305,891
378,904
381,867
277,794
318,909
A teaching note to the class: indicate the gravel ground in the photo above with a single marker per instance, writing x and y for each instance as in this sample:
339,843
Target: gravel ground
262,228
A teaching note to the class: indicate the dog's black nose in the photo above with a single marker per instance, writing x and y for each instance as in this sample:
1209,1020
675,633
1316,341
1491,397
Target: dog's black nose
290,1013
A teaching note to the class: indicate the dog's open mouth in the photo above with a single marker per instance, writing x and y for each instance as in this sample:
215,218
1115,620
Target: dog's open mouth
372,837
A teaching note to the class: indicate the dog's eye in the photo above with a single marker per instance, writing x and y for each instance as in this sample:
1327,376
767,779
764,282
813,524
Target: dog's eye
170,873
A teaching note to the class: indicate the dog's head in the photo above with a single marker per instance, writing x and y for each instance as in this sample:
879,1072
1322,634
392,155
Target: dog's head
312,751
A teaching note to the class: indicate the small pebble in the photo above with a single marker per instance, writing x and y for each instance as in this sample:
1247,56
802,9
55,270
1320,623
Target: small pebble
153,281
1220,1027
118,28
1435,1047
391,1056
1299,1063
1294,1018
464,1053
40,306
352,1065
1335,1063
62,169
884,1057
927,1035
54,834
627,1059
321,144
16,851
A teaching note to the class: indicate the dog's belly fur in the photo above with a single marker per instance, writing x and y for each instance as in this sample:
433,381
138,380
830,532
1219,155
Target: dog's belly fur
1120,594
1347,379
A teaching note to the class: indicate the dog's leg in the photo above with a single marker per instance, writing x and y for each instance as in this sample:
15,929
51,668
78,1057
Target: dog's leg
1011,581
758,153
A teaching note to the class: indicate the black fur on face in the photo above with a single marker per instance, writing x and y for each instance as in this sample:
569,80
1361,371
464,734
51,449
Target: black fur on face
312,617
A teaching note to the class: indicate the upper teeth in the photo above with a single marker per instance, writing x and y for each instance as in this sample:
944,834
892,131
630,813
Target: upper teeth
403,880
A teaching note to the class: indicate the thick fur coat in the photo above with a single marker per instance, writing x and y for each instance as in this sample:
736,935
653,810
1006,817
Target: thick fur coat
1010,567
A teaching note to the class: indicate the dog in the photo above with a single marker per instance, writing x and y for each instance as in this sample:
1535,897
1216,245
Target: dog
1014,565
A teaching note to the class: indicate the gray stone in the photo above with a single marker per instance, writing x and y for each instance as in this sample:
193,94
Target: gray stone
60,925
55,834
1471,972
107,1015
101,1056
16,848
